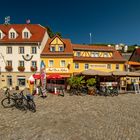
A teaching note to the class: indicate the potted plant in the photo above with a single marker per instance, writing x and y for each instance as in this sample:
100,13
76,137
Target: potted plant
21,68
8,68
76,82
33,68
91,85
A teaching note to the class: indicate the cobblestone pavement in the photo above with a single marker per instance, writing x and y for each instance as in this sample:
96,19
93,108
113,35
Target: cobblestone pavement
74,118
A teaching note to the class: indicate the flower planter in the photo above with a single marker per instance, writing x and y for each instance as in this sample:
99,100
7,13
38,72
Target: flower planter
8,68
33,69
21,68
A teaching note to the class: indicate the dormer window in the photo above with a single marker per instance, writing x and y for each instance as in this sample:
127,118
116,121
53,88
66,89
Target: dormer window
1,34
12,35
26,35
52,49
61,48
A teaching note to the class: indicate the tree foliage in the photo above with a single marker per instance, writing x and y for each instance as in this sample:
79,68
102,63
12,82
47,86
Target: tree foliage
51,33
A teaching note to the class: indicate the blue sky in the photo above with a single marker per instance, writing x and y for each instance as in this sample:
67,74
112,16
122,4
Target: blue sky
109,21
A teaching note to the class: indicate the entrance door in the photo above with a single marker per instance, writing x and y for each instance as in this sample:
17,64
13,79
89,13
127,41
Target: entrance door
9,80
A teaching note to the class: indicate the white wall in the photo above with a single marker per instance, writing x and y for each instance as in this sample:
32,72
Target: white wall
16,57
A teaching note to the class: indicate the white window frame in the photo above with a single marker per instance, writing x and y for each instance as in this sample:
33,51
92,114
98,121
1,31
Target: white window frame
86,66
9,62
26,34
21,50
12,35
34,51
9,52
60,48
51,49
49,64
21,63
33,63
62,64
76,65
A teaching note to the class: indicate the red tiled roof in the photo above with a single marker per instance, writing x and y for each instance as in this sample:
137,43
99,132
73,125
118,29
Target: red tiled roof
36,30
133,63
68,48
93,47
97,59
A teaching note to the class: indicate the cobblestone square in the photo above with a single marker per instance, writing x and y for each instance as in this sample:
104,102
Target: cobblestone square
74,118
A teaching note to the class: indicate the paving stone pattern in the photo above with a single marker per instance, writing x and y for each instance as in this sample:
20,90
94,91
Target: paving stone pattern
74,118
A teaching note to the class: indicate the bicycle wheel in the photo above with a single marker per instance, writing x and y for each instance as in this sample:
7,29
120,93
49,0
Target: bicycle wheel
20,104
8,102
31,106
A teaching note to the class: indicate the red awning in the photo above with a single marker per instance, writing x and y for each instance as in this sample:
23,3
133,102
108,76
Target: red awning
36,76
54,76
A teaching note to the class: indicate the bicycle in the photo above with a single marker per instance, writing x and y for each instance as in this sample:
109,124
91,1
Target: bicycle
28,102
10,100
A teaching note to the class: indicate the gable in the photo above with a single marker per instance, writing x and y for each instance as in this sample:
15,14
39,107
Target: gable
57,41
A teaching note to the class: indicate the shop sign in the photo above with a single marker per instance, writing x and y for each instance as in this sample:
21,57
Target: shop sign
57,69
98,66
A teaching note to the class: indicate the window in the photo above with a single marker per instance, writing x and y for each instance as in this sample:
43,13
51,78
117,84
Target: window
21,63
12,35
78,54
34,50
86,66
34,64
117,67
52,49
63,63
94,54
51,63
108,66
9,80
26,35
21,50
105,54
21,81
76,66
9,50
9,63
61,48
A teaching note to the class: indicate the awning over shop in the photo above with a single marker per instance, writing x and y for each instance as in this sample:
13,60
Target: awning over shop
124,73
54,76
95,72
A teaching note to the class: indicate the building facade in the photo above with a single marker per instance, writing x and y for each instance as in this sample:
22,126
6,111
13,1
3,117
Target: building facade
64,58
20,49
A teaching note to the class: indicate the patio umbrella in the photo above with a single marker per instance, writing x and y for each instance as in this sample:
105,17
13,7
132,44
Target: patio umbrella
36,76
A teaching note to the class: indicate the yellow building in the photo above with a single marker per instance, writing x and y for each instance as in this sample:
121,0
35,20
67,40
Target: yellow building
64,58
102,58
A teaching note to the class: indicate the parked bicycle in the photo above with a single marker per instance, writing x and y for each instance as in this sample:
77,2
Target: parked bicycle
10,100
18,100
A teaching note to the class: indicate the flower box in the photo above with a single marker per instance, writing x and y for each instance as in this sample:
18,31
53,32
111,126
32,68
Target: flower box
8,68
21,68
33,68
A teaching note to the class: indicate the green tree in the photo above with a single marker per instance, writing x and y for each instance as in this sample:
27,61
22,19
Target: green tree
51,33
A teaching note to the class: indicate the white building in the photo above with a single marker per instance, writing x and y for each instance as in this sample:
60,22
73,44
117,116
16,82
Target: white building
20,45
